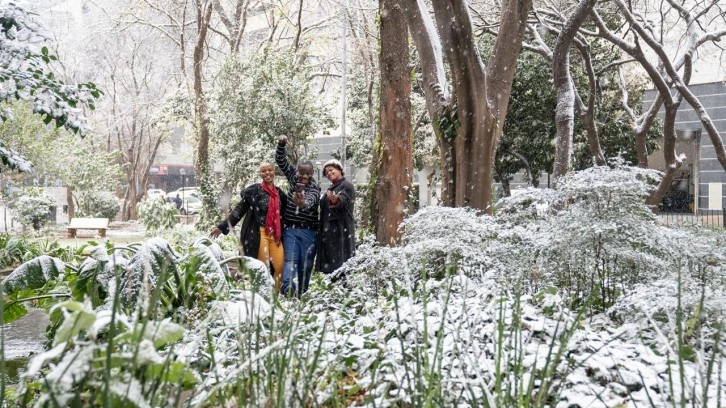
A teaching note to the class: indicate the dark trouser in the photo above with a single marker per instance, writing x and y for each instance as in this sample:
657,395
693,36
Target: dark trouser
299,246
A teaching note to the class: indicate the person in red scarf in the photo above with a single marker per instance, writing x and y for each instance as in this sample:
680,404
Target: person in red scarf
262,206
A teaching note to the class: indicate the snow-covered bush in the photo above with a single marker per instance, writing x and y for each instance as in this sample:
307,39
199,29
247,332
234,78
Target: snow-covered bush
593,234
75,368
32,209
99,204
437,241
156,214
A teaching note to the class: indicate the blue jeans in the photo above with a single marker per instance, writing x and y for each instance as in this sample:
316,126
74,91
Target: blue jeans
299,246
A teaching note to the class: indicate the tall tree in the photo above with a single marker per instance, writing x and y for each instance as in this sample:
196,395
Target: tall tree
469,118
565,90
138,83
210,210
393,162
700,23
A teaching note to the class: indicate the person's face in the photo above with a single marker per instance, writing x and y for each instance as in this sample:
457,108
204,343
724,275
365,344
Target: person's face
267,173
333,174
304,174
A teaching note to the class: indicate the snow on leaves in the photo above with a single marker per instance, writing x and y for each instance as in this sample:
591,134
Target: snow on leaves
33,274
24,73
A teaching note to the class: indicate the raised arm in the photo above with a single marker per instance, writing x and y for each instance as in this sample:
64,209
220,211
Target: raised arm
282,163
341,200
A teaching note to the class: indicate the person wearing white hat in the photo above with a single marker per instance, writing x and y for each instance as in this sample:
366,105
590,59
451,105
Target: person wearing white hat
336,240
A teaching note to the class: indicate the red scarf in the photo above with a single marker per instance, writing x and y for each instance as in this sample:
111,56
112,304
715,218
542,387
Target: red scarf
273,225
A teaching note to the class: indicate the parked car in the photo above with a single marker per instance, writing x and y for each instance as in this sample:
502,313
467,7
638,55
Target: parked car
183,192
191,205
154,193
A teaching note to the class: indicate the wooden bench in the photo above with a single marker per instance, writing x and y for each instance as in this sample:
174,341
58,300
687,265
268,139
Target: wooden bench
100,224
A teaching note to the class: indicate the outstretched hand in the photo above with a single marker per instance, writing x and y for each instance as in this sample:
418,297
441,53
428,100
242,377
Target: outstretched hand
332,197
215,233
282,140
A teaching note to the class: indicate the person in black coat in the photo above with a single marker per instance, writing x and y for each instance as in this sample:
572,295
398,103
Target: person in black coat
336,240
262,206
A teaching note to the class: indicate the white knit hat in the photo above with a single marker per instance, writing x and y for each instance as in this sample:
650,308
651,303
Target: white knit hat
334,163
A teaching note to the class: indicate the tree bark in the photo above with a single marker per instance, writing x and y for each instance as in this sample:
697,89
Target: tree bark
395,159
470,122
565,89
210,210
588,112
71,203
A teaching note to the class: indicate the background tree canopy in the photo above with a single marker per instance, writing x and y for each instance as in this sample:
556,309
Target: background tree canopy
259,100
24,75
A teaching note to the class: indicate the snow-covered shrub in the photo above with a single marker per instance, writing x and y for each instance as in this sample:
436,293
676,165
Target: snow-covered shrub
32,210
24,58
156,214
178,234
436,241
99,204
593,234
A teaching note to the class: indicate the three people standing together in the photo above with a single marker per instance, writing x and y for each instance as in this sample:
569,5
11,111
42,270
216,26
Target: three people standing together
313,227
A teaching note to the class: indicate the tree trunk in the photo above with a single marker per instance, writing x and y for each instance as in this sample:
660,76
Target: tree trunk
588,112
395,160
210,209
565,88
204,13
71,204
470,121
672,160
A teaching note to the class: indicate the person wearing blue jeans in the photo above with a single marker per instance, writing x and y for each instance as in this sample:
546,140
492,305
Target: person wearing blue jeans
300,221
300,248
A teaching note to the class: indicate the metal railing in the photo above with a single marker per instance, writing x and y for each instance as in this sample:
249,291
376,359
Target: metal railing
702,218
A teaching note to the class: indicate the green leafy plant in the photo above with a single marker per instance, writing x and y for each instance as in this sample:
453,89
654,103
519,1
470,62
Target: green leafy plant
16,250
157,215
99,204
115,310
32,209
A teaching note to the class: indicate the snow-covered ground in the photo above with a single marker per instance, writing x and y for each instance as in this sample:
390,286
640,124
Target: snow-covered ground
575,297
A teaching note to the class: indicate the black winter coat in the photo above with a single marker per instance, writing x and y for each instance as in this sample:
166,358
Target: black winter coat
253,207
336,238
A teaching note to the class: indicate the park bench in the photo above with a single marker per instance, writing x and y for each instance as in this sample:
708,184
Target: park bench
99,224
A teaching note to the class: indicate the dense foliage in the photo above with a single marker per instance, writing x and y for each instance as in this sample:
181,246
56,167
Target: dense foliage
157,214
24,75
32,209
99,204
259,100
552,299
